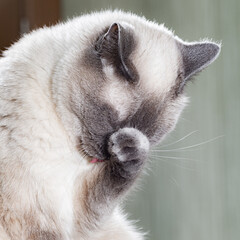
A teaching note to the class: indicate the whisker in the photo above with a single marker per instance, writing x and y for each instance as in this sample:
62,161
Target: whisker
177,165
188,147
174,181
181,139
173,157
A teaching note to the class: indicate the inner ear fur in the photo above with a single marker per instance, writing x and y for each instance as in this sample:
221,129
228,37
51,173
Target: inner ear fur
197,56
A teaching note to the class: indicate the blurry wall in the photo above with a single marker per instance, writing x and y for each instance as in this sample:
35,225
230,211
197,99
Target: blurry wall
21,16
193,193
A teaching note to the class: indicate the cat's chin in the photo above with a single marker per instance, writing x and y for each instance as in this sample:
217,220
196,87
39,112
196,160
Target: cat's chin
91,157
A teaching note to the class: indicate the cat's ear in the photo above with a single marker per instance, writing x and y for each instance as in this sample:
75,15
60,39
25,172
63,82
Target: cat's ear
197,56
115,46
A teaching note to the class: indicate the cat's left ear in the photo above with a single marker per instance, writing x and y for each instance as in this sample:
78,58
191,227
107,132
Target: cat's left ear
115,46
197,56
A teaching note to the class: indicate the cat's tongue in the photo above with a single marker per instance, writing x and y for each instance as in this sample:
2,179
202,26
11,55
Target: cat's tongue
94,160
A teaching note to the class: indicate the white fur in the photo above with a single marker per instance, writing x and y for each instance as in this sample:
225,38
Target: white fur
160,61
116,93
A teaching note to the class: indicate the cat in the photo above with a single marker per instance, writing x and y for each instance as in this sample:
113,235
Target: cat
81,105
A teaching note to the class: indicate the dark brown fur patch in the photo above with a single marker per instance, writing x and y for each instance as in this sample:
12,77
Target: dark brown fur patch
86,216
43,235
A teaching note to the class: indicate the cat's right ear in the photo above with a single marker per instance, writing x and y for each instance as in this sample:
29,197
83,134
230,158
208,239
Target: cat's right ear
115,46
197,56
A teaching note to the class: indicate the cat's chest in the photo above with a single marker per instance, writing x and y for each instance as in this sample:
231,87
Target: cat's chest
55,190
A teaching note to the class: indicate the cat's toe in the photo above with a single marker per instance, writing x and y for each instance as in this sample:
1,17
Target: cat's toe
128,144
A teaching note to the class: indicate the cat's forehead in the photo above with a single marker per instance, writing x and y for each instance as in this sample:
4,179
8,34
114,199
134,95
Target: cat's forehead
157,59
156,55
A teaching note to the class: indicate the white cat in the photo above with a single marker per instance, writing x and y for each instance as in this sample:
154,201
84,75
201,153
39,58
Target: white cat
81,103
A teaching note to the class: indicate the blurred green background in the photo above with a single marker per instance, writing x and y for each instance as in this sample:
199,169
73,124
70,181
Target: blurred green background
193,193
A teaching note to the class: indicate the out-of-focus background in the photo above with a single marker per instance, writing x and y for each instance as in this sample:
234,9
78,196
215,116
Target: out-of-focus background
193,188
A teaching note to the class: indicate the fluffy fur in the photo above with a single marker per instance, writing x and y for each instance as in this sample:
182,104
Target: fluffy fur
107,85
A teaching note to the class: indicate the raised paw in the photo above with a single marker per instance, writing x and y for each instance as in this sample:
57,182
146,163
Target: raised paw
128,144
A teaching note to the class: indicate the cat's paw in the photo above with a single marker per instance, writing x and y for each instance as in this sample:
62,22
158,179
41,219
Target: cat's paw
128,144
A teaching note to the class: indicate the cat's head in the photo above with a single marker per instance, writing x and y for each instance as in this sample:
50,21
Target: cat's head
130,73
